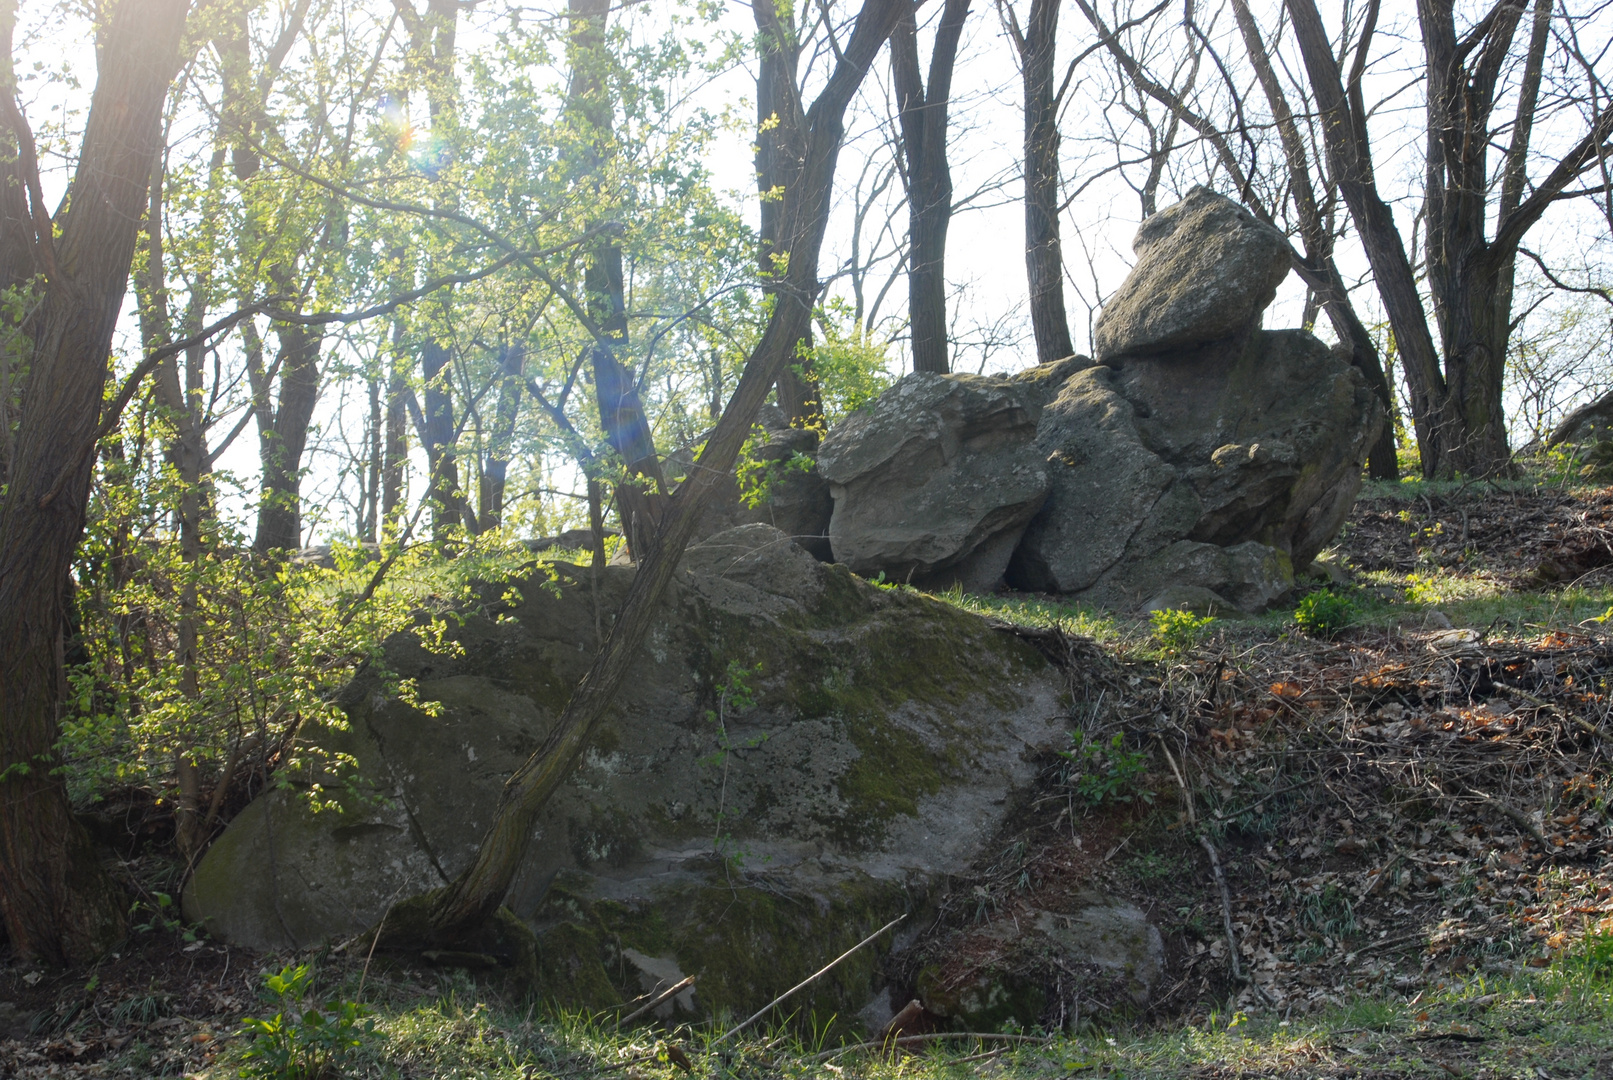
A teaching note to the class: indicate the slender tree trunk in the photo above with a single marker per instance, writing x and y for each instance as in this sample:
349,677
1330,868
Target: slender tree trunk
922,115
472,898
370,513
283,440
780,159
1349,154
490,494
1322,272
397,432
438,437
59,903
641,491
1044,252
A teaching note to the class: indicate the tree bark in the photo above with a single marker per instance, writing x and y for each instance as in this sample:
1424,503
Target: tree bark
641,490
780,165
1044,253
922,115
1349,152
58,901
473,898
495,466
1322,272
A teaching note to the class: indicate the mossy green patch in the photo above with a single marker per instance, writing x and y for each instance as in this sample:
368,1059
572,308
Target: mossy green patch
744,943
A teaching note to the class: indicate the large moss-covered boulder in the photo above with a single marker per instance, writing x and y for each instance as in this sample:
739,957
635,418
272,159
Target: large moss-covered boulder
800,757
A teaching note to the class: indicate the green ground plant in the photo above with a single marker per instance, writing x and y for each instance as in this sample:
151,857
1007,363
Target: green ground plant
302,1040
1324,613
1106,772
1178,631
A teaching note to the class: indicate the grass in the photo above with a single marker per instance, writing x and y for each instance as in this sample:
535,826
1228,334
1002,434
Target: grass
1558,1019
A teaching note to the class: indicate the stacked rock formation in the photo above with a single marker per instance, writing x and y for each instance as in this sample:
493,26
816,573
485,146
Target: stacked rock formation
1198,463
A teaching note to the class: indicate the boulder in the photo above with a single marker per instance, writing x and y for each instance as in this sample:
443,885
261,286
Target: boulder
1590,423
934,482
1206,269
1223,474
999,973
800,757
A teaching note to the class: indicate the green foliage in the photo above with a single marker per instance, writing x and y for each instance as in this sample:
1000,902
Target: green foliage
852,367
302,1042
1101,773
1178,631
759,478
1324,613
273,640
159,913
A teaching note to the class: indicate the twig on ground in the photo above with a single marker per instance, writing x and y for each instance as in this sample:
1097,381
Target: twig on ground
665,995
1226,918
808,981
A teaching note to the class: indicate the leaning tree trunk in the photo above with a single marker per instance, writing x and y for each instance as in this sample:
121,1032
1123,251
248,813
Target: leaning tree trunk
1044,252
1349,153
59,903
923,120
475,896
1322,273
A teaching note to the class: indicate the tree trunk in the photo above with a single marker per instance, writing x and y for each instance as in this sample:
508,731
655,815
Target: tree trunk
923,120
59,903
1044,254
780,161
396,459
1322,272
490,492
283,437
474,897
1349,154
438,435
641,490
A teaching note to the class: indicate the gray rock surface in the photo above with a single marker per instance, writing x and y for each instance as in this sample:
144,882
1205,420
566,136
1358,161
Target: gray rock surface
997,974
887,742
1590,423
1224,475
1206,268
934,481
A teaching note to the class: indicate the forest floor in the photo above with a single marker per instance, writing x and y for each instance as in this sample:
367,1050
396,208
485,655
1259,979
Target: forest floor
1411,815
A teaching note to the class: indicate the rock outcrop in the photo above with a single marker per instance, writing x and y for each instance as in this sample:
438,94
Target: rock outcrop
1201,464
1206,269
1224,474
934,482
801,757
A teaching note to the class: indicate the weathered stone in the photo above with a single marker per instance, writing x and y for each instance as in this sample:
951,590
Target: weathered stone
934,481
1590,423
1224,474
887,740
1206,268
1105,942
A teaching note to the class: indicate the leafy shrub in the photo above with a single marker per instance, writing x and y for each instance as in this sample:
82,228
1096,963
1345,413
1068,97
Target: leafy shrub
298,1042
1323,613
1106,772
1178,631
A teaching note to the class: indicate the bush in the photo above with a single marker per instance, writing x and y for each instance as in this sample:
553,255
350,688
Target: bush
303,1043
1323,613
1106,772
1178,631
